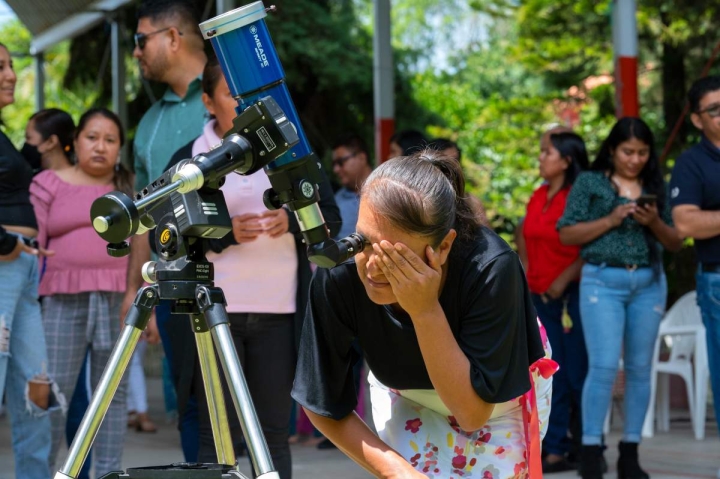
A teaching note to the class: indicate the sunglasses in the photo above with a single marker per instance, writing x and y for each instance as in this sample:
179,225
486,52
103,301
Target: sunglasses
142,38
341,160
712,110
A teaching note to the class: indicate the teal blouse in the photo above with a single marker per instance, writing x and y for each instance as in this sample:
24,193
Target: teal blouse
593,197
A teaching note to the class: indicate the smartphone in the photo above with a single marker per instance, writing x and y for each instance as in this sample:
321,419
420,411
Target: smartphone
646,200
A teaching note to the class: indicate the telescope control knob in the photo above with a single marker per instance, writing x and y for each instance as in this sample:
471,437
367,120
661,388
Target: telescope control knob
118,250
149,272
101,224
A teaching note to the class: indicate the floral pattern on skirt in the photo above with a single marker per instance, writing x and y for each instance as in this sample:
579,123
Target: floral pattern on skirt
436,446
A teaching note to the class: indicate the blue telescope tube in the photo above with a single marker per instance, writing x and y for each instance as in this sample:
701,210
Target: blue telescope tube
252,68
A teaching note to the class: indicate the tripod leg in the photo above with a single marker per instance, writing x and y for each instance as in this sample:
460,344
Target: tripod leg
211,302
135,322
213,391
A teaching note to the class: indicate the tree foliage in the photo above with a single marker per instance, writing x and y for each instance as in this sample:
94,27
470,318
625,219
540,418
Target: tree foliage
488,73
16,37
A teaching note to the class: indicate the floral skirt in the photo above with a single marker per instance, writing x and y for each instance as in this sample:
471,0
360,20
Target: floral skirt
434,444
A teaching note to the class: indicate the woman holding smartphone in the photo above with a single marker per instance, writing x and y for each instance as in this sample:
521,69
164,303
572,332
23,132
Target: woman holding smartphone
623,288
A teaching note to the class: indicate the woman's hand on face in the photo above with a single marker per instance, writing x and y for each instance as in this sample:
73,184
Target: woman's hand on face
620,213
416,284
647,214
275,222
246,227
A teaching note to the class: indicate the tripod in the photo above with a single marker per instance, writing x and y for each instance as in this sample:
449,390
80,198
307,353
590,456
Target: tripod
186,207
188,282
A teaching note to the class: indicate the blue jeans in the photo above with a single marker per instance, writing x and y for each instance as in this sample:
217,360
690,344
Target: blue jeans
568,350
621,312
708,298
23,355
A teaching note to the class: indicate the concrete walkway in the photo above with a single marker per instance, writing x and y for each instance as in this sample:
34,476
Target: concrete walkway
674,455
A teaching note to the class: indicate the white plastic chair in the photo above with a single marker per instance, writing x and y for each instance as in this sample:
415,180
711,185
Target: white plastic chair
683,332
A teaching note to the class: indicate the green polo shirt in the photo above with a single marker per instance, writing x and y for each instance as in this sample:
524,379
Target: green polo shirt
169,124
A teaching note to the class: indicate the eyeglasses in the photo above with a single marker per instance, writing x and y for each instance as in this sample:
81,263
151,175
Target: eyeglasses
712,110
341,161
142,38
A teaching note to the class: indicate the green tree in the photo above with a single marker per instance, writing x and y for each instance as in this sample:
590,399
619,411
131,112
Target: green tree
566,41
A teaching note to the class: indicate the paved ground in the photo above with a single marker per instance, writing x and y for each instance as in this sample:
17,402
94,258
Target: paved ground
674,455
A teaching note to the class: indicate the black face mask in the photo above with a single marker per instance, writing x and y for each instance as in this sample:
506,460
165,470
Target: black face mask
32,156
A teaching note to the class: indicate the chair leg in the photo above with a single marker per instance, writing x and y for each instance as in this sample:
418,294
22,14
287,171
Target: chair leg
663,399
701,391
690,388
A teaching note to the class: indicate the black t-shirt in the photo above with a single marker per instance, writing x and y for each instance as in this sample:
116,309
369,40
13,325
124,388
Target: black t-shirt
486,301
696,181
15,207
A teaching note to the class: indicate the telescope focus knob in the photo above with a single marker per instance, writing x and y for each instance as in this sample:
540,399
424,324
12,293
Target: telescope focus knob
118,250
272,200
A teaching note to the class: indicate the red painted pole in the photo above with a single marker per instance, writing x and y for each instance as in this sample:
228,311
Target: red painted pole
625,45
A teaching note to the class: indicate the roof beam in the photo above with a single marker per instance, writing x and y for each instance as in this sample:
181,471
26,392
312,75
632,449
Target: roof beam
74,25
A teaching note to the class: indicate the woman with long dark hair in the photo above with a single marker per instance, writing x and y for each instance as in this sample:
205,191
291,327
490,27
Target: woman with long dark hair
553,273
23,355
82,287
620,215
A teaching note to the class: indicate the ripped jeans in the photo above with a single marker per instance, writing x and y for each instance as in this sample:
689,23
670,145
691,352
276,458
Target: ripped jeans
23,355
621,311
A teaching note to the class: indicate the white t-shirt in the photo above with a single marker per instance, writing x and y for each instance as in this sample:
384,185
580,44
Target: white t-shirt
259,276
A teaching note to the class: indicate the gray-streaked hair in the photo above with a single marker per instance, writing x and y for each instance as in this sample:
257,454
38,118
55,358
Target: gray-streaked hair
422,194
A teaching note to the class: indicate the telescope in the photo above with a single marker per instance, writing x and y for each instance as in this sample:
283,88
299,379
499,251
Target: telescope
186,206
256,79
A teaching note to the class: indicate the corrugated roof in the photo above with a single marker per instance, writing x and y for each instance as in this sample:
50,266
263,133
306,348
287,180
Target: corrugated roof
40,15
52,21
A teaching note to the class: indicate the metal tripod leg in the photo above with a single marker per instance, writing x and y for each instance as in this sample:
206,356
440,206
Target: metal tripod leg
213,391
211,302
135,323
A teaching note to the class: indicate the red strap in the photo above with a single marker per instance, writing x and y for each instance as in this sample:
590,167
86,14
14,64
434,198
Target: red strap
531,421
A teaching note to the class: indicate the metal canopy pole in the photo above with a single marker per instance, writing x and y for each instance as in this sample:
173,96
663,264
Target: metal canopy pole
119,99
222,6
39,81
383,84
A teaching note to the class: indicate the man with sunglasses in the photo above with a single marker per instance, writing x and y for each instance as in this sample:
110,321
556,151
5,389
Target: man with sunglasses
352,165
170,50
695,198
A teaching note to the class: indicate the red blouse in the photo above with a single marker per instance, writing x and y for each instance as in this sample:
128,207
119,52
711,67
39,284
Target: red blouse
547,256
